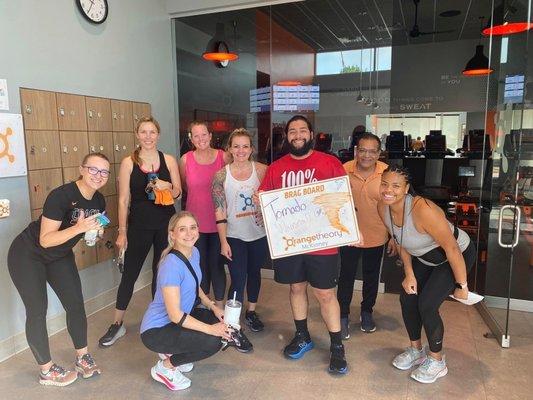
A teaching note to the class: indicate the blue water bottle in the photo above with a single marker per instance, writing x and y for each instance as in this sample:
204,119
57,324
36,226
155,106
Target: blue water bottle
152,178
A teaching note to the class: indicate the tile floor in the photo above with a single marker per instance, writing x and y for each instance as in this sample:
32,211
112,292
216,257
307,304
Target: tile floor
478,367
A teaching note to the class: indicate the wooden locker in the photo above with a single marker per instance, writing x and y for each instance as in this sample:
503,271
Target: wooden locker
105,247
98,114
117,172
35,214
41,183
122,116
74,147
140,110
42,149
38,109
101,142
84,255
123,145
71,174
71,112
112,210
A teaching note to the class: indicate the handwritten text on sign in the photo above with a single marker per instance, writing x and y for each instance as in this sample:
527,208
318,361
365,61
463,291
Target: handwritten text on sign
307,218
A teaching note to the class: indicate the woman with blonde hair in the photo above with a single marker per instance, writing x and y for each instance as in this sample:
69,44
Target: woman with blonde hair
197,168
173,325
142,222
242,234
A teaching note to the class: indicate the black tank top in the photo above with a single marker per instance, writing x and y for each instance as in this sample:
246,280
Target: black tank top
144,213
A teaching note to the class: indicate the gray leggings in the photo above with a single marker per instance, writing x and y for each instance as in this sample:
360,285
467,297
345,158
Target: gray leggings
30,275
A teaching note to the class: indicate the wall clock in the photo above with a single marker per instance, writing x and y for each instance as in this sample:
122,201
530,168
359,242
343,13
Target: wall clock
94,11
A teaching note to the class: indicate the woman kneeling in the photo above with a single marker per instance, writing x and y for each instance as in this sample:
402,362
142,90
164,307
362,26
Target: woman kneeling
173,325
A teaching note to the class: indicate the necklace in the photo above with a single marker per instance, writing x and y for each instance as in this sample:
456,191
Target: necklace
399,261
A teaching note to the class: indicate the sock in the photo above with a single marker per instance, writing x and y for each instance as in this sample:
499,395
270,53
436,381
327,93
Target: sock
301,326
335,338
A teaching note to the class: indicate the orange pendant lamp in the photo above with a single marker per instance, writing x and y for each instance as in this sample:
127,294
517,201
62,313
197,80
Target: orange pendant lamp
217,49
479,64
507,21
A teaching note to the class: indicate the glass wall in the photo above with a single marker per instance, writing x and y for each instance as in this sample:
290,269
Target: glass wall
362,66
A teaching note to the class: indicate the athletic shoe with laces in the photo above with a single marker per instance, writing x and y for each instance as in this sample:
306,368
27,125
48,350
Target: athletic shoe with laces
171,378
242,343
367,322
299,345
430,370
115,332
253,321
409,358
183,367
345,328
86,366
57,376
337,361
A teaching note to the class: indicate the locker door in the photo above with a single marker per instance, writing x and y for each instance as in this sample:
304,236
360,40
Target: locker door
101,142
84,255
42,149
38,109
122,115
123,144
140,110
105,247
110,187
71,112
41,183
71,174
98,114
117,172
35,214
74,146
111,209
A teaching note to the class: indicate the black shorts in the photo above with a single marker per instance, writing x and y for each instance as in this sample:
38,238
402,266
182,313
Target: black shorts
322,272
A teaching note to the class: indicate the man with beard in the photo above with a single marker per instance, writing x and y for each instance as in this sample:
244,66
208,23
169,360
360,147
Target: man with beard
319,268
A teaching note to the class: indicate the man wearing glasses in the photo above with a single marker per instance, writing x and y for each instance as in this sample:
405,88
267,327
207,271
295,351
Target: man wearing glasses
365,177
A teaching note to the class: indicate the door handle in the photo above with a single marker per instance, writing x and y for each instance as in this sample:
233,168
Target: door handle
518,214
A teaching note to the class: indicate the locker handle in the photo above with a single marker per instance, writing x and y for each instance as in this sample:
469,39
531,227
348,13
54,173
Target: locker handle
28,109
90,113
36,187
93,149
135,117
61,111
115,116
65,149
32,149
99,115
117,148
109,244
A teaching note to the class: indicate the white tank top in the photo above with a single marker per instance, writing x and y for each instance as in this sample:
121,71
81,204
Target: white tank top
240,207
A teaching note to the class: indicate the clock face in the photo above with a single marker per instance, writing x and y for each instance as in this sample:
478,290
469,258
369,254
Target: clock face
94,11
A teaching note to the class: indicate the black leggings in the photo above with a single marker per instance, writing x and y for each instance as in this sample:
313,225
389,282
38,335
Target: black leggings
139,243
371,257
185,345
30,274
245,267
434,285
213,273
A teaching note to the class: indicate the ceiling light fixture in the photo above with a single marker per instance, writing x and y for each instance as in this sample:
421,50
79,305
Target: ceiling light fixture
506,22
359,97
479,64
217,49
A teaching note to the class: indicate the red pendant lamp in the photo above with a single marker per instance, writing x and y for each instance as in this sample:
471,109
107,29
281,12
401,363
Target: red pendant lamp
217,49
506,21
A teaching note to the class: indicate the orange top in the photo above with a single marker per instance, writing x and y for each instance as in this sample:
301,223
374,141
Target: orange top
365,194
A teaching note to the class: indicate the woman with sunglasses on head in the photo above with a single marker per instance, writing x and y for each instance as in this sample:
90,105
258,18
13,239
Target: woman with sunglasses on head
436,257
197,169
142,219
42,254
242,236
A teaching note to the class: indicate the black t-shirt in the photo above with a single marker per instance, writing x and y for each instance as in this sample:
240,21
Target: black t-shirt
64,204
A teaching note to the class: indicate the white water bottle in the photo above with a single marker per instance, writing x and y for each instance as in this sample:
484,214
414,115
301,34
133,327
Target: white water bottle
91,237
232,312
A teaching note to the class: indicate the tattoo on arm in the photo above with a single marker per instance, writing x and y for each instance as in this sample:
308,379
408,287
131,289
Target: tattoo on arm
218,194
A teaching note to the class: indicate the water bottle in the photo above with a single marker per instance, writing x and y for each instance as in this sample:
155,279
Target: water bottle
152,178
232,312
91,237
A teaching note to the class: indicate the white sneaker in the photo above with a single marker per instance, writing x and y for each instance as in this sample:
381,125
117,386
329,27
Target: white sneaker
430,370
409,358
183,367
171,378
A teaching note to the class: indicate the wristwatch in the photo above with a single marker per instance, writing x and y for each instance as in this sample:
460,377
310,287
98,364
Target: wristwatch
461,285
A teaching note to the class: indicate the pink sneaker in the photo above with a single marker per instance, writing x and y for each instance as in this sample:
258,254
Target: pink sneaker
57,376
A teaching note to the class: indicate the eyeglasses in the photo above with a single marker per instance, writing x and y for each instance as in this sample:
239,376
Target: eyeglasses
104,173
370,152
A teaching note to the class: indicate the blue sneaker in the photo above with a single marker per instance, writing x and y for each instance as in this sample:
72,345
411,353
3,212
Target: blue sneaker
299,345
367,322
337,361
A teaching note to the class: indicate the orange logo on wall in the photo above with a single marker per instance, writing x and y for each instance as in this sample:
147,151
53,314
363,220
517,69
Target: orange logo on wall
5,151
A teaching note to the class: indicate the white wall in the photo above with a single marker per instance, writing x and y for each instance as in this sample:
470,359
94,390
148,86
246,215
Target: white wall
54,48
